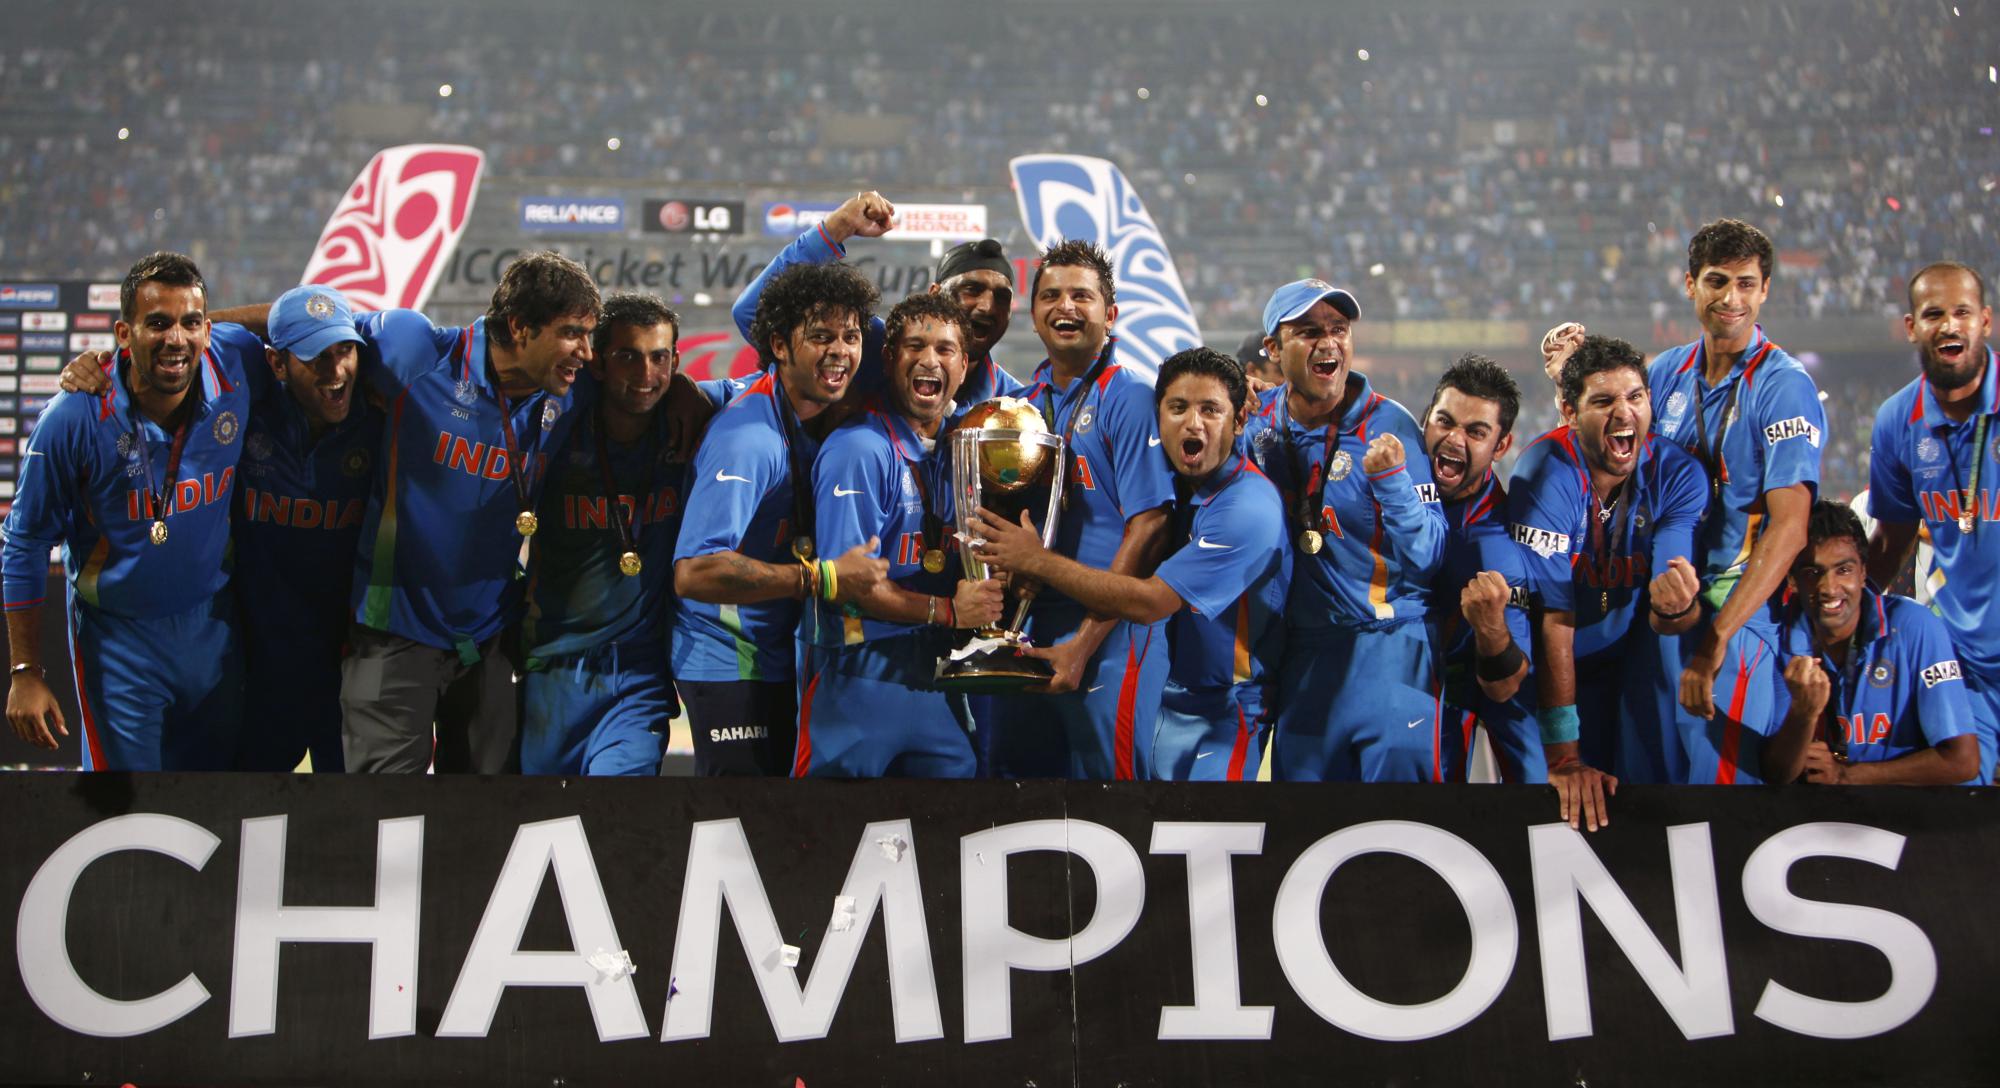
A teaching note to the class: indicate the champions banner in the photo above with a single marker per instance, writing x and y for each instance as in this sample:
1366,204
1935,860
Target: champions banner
1077,197
536,932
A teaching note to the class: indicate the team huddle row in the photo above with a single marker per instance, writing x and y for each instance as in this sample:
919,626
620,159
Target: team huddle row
527,543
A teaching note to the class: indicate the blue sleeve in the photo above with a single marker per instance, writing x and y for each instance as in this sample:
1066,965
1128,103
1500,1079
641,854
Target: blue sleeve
1496,551
53,462
1683,500
812,247
241,355
1942,708
1409,500
1232,545
733,470
401,345
1794,430
1892,493
1141,478
1006,385
720,391
851,491
1543,518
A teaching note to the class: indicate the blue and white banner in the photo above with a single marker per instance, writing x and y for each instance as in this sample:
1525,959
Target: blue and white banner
1074,196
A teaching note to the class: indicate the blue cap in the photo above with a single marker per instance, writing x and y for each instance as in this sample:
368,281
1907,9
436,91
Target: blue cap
310,319
1290,302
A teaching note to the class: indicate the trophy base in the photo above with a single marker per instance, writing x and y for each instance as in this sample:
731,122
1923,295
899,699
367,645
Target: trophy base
1001,670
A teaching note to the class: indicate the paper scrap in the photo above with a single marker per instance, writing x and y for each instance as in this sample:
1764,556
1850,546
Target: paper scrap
788,955
612,966
892,846
977,646
843,914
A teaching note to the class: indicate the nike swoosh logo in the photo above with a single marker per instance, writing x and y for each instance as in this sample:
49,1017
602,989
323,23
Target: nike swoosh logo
31,453
1416,723
1153,441
1099,687
723,478
1203,755
839,494
1202,542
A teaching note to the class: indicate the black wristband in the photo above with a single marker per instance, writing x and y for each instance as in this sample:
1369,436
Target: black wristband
1501,665
1670,617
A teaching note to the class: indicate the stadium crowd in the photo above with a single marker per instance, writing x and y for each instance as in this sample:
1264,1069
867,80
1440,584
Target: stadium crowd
1470,163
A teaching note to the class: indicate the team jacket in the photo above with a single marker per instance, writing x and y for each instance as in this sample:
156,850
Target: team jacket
1574,557
438,562
1115,468
1901,693
1384,536
1232,569
740,500
83,486
578,598
870,480
1921,469
1771,439
984,379
298,516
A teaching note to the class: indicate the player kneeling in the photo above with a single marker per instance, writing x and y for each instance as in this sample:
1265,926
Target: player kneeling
868,707
1223,585
1882,664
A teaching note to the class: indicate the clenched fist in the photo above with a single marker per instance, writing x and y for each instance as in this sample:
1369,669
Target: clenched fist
1807,682
1484,601
868,215
1384,453
1674,590
1558,344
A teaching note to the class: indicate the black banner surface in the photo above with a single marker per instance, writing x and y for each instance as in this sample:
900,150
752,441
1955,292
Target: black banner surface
225,929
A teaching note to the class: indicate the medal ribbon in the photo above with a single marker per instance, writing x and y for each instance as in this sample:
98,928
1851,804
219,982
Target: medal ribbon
933,524
1969,512
1711,455
628,527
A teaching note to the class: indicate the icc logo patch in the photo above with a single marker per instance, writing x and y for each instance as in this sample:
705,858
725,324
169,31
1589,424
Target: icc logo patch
464,392
258,446
226,428
127,445
909,484
1677,406
1928,451
1343,463
354,463
1882,673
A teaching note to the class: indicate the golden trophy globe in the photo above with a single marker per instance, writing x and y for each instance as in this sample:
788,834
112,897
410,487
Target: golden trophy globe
1004,458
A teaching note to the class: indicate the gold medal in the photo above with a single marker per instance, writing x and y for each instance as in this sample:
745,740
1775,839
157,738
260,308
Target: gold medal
629,563
1310,542
1965,523
802,547
934,560
525,523
1604,602
158,533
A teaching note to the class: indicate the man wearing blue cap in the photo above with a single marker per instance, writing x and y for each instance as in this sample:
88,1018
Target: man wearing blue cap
1357,685
308,459
135,486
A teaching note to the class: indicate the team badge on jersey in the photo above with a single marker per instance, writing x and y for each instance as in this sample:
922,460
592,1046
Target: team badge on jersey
1343,463
354,463
1882,673
549,414
1996,449
464,392
225,428
1083,419
1639,519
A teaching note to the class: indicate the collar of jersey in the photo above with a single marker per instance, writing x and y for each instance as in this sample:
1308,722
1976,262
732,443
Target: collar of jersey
907,443
121,398
1224,475
1931,410
472,363
1364,401
1475,503
1749,352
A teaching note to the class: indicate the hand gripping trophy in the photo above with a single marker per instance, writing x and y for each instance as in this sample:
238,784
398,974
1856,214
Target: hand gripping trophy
1004,458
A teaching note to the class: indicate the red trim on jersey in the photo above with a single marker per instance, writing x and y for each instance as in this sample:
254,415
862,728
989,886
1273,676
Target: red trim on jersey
1467,727
90,732
209,358
1756,361
802,752
1122,725
1104,379
1240,750
1732,726
764,384
828,238
1437,729
465,354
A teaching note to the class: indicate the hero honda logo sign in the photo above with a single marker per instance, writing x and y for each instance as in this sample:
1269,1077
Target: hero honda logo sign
568,214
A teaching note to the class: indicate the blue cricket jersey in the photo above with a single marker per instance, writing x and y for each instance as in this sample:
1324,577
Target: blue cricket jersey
1579,554
871,479
1232,569
578,597
1476,540
1763,427
84,486
1902,692
299,519
438,560
1116,471
984,379
740,500
1922,467
1383,540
